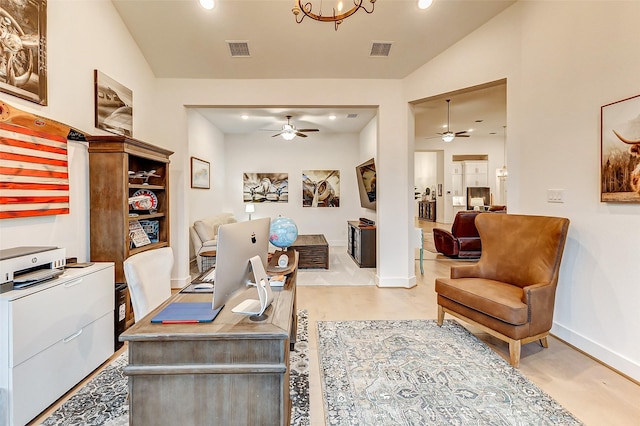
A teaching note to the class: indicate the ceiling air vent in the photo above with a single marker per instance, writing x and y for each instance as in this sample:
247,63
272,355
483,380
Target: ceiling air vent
380,49
239,49
352,115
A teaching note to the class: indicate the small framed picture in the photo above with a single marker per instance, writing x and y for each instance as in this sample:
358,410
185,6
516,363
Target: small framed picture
200,173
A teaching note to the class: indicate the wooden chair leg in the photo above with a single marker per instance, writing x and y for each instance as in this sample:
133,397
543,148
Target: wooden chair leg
514,352
440,315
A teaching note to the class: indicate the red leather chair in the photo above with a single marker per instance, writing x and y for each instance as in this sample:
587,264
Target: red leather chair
463,240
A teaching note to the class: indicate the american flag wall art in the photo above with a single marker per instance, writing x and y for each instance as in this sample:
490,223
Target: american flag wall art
34,176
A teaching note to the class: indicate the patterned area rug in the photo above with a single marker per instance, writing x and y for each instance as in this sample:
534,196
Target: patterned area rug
415,373
103,400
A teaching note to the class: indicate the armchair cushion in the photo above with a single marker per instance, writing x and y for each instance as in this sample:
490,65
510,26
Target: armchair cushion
205,231
494,298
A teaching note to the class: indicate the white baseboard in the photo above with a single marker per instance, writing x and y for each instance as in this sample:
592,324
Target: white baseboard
180,282
396,282
602,354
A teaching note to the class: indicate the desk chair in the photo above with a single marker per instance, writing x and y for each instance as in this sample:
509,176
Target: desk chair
148,276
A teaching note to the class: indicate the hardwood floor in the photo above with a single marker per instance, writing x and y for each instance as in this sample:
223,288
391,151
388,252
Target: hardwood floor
594,393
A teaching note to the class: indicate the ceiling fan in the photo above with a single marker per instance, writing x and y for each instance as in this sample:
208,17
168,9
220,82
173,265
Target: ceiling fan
289,131
448,136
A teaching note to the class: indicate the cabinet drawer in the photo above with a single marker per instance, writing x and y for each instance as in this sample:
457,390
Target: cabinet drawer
47,317
46,376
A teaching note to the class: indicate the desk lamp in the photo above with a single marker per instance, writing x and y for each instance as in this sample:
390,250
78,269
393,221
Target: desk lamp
249,208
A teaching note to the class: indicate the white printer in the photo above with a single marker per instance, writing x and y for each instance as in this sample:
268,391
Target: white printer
25,266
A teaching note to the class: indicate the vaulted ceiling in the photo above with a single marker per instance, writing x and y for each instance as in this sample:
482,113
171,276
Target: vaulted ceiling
180,39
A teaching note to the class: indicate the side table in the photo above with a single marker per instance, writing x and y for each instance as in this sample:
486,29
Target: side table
208,259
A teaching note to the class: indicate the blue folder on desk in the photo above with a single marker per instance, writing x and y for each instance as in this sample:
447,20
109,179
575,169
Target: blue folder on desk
186,312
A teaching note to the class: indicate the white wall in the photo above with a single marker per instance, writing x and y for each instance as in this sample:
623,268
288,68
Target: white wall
563,60
260,153
76,45
395,267
206,143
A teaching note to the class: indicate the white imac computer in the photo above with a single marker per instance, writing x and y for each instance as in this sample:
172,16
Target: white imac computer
238,246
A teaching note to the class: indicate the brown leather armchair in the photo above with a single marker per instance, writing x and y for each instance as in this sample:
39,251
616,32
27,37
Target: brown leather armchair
463,240
510,292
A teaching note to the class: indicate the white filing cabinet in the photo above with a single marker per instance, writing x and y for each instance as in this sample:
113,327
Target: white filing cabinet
52,335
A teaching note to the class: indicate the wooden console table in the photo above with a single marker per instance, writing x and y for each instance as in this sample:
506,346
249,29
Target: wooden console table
232,371
427,210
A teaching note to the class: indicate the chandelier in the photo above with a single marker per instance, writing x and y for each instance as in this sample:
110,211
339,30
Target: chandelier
306,10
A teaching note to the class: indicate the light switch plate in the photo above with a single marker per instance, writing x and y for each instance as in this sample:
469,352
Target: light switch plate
555,195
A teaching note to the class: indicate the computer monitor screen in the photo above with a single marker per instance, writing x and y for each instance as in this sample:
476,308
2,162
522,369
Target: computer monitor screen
237,243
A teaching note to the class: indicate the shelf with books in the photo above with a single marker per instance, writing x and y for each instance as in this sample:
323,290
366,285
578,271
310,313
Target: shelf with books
121,168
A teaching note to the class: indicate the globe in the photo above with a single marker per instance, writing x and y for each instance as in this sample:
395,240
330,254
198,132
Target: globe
282,232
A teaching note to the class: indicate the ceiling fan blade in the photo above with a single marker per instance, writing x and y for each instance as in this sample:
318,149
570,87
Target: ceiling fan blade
277,134
461,133
462,136
308,130
302,135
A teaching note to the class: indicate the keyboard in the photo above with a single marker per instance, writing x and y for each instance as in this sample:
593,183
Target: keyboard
206,277
36,277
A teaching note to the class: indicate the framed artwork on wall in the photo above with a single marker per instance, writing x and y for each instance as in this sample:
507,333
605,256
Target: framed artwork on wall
23,69
265,187
200,173
321,188
620,151
113,105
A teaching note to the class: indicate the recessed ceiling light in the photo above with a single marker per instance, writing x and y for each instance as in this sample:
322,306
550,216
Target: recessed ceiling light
332,117
245,116
424,4
207,4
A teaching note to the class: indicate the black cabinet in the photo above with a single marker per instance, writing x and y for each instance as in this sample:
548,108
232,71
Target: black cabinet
361,244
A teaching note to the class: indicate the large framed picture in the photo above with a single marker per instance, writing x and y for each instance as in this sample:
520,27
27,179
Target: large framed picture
265,187
113,105
23,40
200,173
620,151
321,188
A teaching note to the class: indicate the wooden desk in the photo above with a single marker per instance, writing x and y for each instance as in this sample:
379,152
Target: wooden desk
232,371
